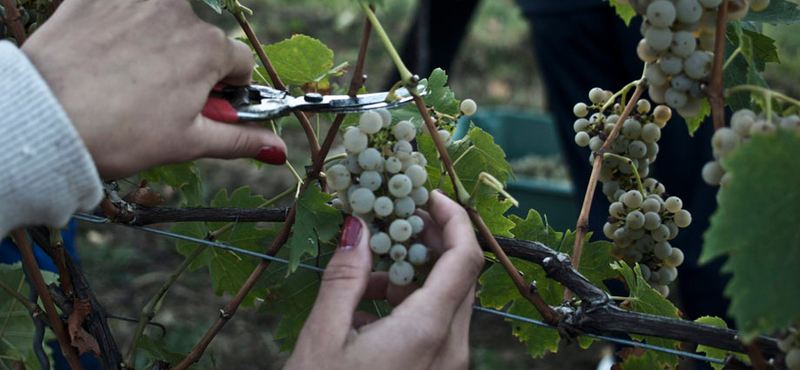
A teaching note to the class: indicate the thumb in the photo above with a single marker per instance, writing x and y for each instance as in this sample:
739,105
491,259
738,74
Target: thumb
343,284
235,140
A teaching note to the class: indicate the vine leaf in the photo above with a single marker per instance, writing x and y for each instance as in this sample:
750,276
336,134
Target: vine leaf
636,359
159,350
438,97
228,269
483,155
759,208
491,210
17,336
214,4
757,50
497,290
778,12
300,59
694,123
316,222
624,11
293,297
645,299
711,351
182,177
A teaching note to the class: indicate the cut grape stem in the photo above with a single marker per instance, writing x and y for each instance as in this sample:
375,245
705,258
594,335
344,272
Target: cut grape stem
582,226
282,236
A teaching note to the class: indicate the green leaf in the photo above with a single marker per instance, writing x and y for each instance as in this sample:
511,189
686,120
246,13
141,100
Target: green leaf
624,11
711,351
438,96
228,269
740,71
491,210
643,298
758,209
647,361
16,325
694,123
778,12
300,59
157,349
214,4
316,222
182,177
763,49
497,290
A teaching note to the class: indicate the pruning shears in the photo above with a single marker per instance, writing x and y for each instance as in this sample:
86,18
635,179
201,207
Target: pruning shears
233,104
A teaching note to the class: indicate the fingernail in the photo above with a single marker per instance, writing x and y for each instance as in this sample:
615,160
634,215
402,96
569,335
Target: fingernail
271,155
440,191
351,233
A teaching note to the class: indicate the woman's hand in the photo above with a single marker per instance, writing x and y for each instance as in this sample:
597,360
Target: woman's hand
133,77
428,329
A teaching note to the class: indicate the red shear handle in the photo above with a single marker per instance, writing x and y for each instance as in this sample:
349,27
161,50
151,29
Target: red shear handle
220,110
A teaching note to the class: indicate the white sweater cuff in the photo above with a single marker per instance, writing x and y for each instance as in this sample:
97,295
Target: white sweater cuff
46,172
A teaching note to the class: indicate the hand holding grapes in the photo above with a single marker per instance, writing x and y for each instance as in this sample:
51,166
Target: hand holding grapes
429,325
133,77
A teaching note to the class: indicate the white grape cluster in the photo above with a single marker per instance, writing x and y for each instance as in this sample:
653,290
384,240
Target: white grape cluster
382,181
637,139
641,223
678,43
744,124
641,227
790,345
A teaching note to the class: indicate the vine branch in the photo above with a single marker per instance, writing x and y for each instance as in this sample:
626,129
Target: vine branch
14,21
583,219
227,312
276,80
56,324
715,88
30,306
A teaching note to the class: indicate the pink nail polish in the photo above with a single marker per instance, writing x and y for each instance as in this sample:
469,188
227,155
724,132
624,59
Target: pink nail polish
351,233
271,155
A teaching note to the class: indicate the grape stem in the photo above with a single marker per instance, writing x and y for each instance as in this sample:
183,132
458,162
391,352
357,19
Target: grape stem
715,88
32,307
582,226
409,80
622,93
630,163
227,312
732,57
767,93
490,181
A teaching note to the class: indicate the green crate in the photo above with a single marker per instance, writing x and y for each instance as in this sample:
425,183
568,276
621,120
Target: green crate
521,133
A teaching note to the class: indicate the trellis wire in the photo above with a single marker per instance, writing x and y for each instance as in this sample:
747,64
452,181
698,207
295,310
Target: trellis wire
104,220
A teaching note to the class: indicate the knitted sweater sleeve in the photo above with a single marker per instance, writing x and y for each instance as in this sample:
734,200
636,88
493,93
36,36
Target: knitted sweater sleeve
46,172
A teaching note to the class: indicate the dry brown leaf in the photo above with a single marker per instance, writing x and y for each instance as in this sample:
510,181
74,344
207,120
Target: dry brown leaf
142,195
79,337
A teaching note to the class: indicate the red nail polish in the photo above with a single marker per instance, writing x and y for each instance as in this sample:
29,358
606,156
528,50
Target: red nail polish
271,155
351,233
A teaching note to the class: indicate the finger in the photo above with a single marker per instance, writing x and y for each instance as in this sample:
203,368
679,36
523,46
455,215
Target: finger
455,352
223,140
343,284
380,289
456,271
239,69
431,233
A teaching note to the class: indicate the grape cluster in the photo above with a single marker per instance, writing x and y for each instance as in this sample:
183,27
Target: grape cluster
643,220
637,139
641,226
677,45
744,123
790,345
382,182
